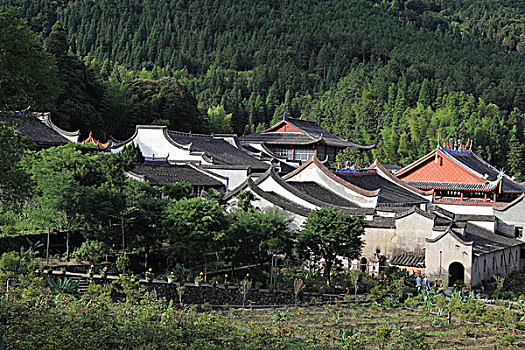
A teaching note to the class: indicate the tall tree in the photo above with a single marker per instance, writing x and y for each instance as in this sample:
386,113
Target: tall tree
328,234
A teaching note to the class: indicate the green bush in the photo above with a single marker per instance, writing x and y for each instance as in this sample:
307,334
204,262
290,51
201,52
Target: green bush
9,261
91,251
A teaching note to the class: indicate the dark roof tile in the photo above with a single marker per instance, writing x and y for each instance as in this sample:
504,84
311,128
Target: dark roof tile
314,190
31,127
485,241
220,151
162,173
390,193
408,259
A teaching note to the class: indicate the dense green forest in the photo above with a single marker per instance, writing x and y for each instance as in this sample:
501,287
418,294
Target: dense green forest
394,71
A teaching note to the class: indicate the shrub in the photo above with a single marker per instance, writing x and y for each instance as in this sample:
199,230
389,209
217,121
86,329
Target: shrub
91,251
123,263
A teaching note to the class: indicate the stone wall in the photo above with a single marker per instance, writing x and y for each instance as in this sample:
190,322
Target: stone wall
215,296
219,295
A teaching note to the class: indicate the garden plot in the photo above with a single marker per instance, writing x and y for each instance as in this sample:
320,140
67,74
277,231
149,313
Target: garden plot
373,326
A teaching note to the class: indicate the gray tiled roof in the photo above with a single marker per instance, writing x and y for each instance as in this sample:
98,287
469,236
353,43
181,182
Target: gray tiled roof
31,127
485,241
328,138
408,259
313,132
162,173
390,193
380,222
220,151
314,190
470,160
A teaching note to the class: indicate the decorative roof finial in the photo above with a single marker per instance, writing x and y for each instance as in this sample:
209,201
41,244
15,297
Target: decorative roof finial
284,116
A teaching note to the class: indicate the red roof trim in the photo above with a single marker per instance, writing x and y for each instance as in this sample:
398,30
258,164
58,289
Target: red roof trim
91,140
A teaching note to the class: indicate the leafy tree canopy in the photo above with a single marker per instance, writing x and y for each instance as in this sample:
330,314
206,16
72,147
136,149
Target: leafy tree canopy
329,234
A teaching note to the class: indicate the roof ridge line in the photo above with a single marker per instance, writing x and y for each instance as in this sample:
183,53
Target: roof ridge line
398,181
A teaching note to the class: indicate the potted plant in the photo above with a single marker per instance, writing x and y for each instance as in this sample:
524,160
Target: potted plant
91,271
198,280
149,275
171,277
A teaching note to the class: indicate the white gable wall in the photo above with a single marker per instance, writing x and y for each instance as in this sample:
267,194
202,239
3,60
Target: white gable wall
235,176
468,209
313,174
409,236
440,254
152,141
270,185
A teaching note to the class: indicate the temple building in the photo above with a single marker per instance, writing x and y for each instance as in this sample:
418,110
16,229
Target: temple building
461,178
295,141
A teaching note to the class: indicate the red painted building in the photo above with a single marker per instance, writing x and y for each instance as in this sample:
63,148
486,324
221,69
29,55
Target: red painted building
299,140
461,177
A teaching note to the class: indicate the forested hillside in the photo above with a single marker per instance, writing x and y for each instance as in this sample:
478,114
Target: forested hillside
394,71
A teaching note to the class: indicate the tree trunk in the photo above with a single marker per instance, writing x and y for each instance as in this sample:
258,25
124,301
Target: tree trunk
123,236
67,245
47,246
327,272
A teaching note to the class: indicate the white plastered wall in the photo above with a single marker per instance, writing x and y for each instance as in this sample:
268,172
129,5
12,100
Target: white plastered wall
440,254
313,174
235,176
270,185
153,142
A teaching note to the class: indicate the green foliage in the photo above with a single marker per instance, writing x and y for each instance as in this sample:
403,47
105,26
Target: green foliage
383,335
77,190
21,87
9,262
327,234
192,224
177,190
91,251
13,180
220,122
123,263
253,235
62,286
